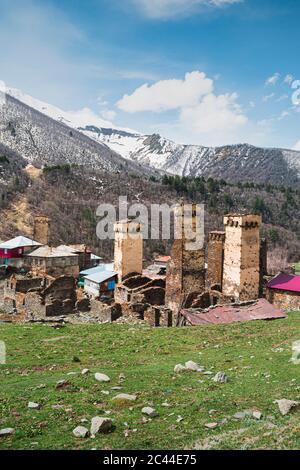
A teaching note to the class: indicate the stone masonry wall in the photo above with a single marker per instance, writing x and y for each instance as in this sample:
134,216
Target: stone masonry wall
284,300
215,259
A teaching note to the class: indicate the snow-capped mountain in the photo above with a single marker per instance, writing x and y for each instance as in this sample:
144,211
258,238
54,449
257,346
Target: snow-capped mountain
234,163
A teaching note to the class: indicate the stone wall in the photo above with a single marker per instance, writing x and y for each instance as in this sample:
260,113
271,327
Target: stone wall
241,277
215,259
186,270
128,248
284,300
41,230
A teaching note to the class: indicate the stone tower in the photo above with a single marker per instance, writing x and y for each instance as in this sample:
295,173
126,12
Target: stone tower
241,276
186,270
215,259
128,248
41,230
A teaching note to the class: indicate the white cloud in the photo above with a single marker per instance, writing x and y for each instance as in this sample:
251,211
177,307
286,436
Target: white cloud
288,79
273,79
162,9
201,113
214,114
108,115
168,94
267,98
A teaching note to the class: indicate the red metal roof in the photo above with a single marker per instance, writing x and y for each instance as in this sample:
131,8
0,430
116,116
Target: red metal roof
259,310
285,282
163,259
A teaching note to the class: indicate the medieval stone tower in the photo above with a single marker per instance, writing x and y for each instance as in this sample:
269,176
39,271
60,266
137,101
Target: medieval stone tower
241,276
186,270
41,230
215,260
128,248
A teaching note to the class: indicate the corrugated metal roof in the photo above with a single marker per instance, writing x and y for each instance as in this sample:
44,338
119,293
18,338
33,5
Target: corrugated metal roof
286,282
49,252
100,277
259,310
98,269
19,242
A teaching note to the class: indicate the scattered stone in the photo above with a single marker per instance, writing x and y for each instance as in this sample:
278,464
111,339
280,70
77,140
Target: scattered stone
179,368
116,388
257,415
81,432
166,405
105,392
211,425
57,407
6,432
101,425
149,412
102,377
85,371
62,384
191,365
122,377
221,378
34,406
208,372
125,397
179,419
240,415
285,406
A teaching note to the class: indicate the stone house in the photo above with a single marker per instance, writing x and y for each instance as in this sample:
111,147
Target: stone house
54,262
284,292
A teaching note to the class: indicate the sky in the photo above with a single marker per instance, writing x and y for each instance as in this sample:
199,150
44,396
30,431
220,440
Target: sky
207,72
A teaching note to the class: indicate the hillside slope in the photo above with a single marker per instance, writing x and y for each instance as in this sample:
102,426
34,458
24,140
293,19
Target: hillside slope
255,356
44,141
236,163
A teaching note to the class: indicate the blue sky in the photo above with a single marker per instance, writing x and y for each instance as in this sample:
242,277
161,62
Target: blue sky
207,72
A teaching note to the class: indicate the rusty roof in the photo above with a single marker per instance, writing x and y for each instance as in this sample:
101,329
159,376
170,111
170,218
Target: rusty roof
258,310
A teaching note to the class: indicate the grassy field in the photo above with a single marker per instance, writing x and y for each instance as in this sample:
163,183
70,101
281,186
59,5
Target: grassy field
297,268
256,357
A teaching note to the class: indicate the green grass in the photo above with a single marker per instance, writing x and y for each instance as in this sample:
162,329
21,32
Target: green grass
256,357
297,268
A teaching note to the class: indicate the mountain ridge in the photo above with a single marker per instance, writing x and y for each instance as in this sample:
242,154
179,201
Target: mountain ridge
239,162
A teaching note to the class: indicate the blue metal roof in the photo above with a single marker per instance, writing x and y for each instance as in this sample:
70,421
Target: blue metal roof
98,269
103,276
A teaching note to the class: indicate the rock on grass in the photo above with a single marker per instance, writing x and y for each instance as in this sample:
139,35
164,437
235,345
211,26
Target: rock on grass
285,406
147,410
81,432
221,378
125,397
102,377
101,425
34,406
6,432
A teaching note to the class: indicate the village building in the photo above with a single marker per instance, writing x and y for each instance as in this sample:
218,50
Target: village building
101,284
41,229
128,248
54,262
284,292
186,271
241,270
12,252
